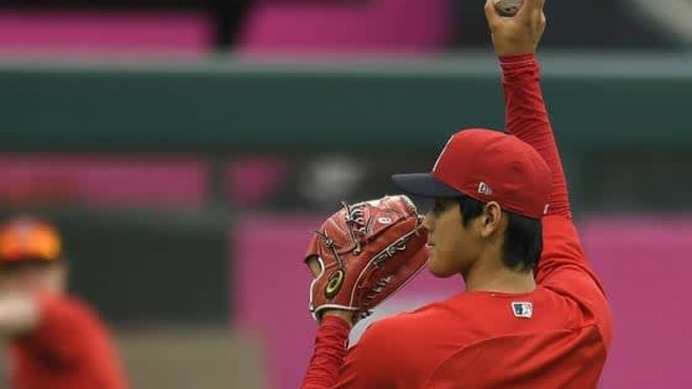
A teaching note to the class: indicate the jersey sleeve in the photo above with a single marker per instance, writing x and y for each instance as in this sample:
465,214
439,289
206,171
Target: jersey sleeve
363,366
563,265
58,331
372,362
331,342
527,118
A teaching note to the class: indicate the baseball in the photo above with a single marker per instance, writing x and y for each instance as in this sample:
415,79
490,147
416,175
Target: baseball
508,7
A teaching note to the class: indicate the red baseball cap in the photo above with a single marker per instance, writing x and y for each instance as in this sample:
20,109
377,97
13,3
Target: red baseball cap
29,239
486,165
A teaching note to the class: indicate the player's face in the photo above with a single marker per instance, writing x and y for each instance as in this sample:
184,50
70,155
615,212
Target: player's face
30,279
453,247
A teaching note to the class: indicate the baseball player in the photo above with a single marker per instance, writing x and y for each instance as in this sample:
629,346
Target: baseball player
533,314
55,341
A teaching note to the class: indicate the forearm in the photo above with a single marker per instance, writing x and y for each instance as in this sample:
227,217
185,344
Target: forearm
527,118
328,357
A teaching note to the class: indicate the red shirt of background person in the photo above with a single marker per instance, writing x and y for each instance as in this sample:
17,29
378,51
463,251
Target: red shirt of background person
534,315
55,340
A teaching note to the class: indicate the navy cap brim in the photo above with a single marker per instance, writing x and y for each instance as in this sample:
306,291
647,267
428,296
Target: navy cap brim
423,185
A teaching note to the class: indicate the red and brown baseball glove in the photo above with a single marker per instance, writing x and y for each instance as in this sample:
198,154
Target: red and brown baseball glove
366,252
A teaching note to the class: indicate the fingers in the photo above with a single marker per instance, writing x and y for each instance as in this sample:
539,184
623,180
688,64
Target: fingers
315,266
529,8
542,22
491,12
534,4
538,22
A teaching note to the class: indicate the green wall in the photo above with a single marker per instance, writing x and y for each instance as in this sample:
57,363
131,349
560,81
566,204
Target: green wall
231,105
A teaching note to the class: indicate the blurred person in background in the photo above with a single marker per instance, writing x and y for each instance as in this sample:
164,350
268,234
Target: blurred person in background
55,340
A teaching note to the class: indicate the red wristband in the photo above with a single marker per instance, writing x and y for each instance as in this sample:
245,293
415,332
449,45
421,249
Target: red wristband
517,59
336,322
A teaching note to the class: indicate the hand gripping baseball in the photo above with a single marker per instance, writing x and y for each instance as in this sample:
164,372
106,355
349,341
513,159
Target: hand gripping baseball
519,34
364,253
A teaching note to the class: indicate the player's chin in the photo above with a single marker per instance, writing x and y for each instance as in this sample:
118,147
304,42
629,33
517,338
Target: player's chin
438,266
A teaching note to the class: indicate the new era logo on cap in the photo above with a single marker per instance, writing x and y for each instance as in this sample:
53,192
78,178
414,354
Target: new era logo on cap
484,189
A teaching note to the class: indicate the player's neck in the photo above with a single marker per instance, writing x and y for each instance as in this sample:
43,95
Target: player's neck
490,275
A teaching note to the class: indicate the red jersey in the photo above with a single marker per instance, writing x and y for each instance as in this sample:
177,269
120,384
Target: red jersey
70,349
557,336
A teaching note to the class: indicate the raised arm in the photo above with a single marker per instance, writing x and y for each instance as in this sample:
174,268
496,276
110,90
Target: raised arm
527,118
515,40
563,264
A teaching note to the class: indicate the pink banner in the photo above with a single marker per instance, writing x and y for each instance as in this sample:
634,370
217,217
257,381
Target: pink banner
644,264
52,31
103,181
389,26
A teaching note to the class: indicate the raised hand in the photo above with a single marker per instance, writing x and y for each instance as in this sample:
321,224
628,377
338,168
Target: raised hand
518,34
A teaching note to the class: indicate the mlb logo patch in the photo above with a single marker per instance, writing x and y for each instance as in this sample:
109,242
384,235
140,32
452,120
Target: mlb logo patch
522,309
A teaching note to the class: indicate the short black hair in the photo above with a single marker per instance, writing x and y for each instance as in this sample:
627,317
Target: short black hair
523,237
13,267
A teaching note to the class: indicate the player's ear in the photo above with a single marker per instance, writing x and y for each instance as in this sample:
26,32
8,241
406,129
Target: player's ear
491,219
